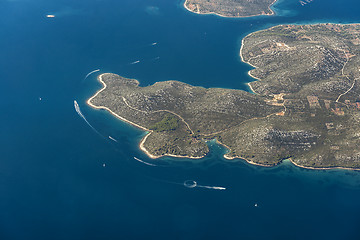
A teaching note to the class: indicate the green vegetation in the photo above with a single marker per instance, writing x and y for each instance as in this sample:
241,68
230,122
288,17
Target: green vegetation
306,107
168,123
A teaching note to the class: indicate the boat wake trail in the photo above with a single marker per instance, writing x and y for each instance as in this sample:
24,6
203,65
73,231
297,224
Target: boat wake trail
110,137
149,164
193,184
134,62
213,187
77,108
87,75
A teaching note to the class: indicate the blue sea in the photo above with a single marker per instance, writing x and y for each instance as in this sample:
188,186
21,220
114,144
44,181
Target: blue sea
60,179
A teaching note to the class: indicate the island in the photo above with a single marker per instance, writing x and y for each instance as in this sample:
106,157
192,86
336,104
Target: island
231,8
305,104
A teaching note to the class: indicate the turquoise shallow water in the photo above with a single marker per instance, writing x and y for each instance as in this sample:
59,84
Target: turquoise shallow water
52,181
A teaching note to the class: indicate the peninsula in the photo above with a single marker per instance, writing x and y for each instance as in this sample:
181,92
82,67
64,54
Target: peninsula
230,8
305,106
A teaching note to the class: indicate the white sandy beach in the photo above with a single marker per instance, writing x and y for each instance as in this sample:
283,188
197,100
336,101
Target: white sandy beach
141,145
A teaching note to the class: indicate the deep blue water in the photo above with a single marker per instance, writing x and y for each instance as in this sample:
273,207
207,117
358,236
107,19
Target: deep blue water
52,181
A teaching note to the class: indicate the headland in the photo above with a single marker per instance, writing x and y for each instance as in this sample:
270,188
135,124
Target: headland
306,105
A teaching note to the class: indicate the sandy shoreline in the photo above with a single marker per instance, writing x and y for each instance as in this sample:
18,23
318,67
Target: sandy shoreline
141,145
273,165
249,161
242,59
246,160
295,164
257,79
220,15
325,168
242,46
106,108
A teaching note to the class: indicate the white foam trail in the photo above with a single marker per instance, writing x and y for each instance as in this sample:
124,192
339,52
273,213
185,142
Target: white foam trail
139,160
87,75
135,62
77,108
193,184
213,187
110,137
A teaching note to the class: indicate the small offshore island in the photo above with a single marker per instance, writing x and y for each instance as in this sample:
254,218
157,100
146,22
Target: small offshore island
231,8
306,105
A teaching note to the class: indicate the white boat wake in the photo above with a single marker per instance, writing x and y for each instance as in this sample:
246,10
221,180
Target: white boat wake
193,184
213,187
149,164
135,62
110,137
77,108
87,75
